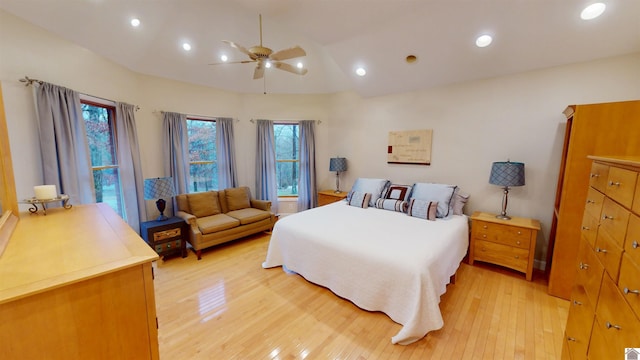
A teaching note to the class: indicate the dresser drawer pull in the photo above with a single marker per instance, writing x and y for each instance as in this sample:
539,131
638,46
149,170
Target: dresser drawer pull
569,338
610,325
484,236
604,251
594,175
589,201
634,244
517,242
484,226
519,232
627,291
517,257
605,217
583,266
585,228
611,183
576,302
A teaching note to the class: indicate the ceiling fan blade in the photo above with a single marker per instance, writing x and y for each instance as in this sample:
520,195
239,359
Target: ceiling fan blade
289,53
288,67
259,72
234,62
241,48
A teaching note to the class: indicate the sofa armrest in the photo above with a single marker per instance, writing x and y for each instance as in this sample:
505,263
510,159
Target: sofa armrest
188,218
261,204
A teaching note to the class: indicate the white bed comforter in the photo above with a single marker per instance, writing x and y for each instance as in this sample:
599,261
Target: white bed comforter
379,259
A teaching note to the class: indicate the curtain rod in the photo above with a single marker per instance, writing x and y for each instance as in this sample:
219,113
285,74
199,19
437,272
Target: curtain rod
29,81
287,121
196,117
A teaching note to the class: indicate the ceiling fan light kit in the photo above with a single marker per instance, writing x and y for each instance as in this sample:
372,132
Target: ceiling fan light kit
266,58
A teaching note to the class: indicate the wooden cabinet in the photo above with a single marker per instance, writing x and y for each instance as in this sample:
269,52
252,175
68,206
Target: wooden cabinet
604,316
166,237
77,284
330,196
509,243
593,129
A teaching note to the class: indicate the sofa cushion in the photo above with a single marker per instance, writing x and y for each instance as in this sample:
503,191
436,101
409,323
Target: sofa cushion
249,215
215,223
204,203
237,198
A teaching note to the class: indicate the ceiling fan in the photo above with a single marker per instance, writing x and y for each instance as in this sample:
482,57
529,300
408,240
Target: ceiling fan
265,57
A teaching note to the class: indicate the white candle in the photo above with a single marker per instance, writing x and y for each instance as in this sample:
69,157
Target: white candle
45,192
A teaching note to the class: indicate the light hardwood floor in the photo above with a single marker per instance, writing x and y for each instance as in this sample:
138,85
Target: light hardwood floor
227,306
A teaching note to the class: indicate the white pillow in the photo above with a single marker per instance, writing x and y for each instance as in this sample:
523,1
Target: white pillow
442,193
375,187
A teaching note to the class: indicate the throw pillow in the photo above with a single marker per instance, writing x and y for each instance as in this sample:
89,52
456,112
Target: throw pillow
423,209
204,203
360,199
237,198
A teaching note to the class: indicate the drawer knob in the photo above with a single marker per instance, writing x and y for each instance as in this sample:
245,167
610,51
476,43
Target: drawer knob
605,217
611,183
589,201
576,302
518,242
627,291
484,226
585,228
484,236
634,244
604,251
519,232
610,325
569,338
517,257
594,175
583,266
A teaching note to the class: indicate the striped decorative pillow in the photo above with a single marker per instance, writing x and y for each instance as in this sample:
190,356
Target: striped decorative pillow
391,204
360,199
423,209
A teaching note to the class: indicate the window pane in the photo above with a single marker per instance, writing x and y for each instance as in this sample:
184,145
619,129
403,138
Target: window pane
202,178
107,184
287,174
99,135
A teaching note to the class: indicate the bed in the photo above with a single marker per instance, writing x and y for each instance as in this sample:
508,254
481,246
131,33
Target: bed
378,259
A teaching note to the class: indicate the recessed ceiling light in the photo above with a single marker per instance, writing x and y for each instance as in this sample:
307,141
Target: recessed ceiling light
361,71
411,59
592,11
483,41
186,46
224,58
135,22
299,65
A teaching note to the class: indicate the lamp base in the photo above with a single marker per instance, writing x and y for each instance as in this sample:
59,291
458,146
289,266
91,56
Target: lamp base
162,218
161,205
503,217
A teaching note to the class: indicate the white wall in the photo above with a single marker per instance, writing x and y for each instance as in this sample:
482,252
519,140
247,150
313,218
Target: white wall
517,117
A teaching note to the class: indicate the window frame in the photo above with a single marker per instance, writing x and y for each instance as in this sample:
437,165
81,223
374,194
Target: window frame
202,162
288,123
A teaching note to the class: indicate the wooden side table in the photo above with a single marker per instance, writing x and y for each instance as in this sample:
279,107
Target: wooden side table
330,196
166,237
509,243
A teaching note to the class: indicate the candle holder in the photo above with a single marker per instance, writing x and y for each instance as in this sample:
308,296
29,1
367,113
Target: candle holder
34,202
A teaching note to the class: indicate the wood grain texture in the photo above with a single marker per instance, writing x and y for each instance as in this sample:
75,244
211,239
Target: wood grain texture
227,306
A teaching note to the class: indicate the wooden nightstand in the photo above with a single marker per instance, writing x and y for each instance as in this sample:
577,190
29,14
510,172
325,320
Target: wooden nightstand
330,196
166,237
509,243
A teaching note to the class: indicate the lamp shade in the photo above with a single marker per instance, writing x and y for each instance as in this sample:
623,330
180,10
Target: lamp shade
157,188
507,173
338,164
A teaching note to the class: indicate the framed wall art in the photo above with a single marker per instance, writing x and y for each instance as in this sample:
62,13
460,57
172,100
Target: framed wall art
410,147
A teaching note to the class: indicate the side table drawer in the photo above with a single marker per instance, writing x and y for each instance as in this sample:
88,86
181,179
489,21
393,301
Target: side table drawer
168,246
166,234
503,234
511,257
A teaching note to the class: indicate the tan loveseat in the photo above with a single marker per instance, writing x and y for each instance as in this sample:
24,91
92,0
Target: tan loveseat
216,217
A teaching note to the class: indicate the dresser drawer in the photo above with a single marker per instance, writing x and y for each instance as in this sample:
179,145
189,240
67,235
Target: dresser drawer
609,252
614,220
589,228
621,185
629,283
593,205
508,256
632,241
636,199
503,234
166,234
168,246
598,176
615,318
590,272
579,323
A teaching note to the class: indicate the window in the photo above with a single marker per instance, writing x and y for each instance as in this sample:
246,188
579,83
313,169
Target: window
203,166
99,120
287,158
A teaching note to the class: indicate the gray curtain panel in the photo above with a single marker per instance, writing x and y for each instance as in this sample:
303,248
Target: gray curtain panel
266,184
307,190
227,173
131,178
176,150
66,160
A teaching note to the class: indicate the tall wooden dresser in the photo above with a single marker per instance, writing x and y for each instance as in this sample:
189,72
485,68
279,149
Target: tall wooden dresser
604,313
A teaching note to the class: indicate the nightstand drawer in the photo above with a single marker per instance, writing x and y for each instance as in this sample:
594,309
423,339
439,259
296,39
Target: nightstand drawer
503,234
166,234
169,246
509,256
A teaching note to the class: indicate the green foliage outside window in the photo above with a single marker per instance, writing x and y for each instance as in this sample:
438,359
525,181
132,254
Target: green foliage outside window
203,166
287,158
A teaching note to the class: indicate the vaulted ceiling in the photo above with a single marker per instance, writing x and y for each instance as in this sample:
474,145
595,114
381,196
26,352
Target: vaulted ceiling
340,36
